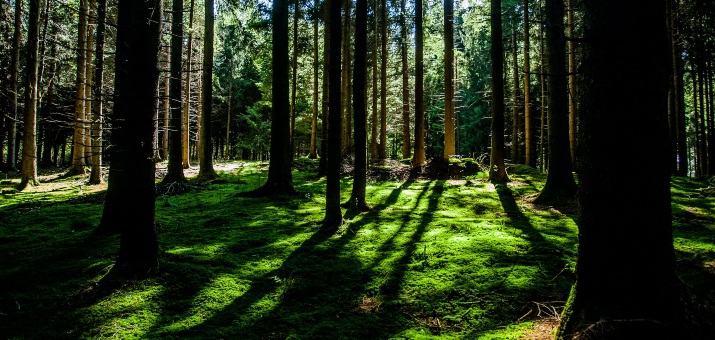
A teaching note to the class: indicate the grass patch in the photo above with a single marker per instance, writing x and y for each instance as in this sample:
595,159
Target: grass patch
445,259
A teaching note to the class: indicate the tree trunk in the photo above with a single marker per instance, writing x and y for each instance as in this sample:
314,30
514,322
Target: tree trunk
333,214
186,131
560,185
449,73
280,178
497,171
228,114
323,165
164,153
700,69
623,291
543,147
357,197
78,156
419,157
373,134
50,134
529,157
88,85
95,176
174,168
206,169
314,121
573,110
406,148
710,119
679,92
516,123
28,173
294,84
383,84
15,70
130,193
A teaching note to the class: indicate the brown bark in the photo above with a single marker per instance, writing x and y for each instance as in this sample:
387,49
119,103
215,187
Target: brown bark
516,122
78,157
294,84
14,75
89,72
449,74
323,165
333,214
314,121
186,130
542,143
206,170
679,91
28,174
573,110
357,197
497,171
419,157
406,149
383,84
530,156
174,168
95,176
164,153
373,134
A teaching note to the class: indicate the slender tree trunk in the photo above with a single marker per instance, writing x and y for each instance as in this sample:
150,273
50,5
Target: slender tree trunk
347,82
174,168
679,92
323,165
516,123
560,185
696,115
95,176
333,214
164,153
89,72
228,114
700,69
280,178
28,173
15,70
449,74
78,157
622,291
314,121
543,141
573,109
497,171
710,119
45,18
50,134
130,193
672,116
206,170
186,132
419,157
530,157
357,197
294,84
406,148
383,84
373,134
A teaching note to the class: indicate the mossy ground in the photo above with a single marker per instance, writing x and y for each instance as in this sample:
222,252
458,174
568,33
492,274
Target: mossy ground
452,259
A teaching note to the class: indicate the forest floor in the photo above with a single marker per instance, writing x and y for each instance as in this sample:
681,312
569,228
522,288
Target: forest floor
451,259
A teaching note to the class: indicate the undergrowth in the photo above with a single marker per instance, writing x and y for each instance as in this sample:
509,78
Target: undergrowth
445,259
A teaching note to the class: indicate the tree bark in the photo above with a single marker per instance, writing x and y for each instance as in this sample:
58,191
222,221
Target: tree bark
186,131
333,214
95,176
573,109
130,193
357,197
497,171
15,70
206,169
449,74
529,147
89,72
78,157
543,142
516,122
383,84
419,157
406,148
679,91
623,291
560,185
373,125
323,164
174,168
314,121
50,134
164,153
28,174
294,84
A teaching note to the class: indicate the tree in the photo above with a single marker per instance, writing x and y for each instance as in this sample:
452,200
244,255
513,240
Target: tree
405,87
333,214
623,291
373,134
448,75
174,168
497,171
573,91
206,170
357,197
296,14
529,157
323,165
314,121
560,185
679,89
14,67
78,158
280,178
130,192
29,144
383,84
95,176
419,156
516,123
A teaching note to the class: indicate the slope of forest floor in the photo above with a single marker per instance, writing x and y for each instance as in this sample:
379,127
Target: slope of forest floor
433,258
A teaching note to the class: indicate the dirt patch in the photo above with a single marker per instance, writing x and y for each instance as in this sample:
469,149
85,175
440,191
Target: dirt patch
543,329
